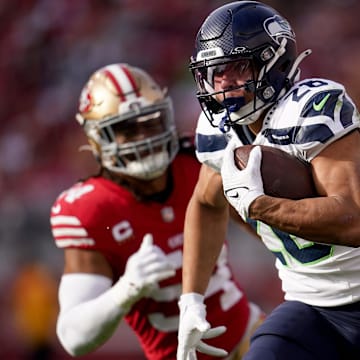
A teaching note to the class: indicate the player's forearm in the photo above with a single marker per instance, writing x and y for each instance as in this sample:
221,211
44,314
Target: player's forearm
205,231
87,319
329,220
87,326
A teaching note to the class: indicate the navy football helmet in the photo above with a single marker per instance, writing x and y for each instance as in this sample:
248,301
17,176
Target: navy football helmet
255,36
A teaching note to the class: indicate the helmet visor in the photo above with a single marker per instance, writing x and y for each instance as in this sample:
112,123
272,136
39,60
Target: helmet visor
206,72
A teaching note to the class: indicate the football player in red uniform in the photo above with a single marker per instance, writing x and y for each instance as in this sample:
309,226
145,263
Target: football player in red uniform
122,229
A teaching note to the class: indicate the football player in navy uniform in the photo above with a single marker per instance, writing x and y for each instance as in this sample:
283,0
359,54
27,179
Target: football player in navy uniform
122,229
246,67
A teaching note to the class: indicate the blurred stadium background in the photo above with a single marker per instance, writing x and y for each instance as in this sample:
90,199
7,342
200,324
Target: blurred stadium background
48,50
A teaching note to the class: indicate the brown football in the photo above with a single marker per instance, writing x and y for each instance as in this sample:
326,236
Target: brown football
283,175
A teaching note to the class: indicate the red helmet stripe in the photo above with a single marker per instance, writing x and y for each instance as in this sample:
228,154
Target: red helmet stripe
123,80
131,79
120,91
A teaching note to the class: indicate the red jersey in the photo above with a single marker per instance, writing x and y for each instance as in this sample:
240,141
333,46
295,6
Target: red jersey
100,215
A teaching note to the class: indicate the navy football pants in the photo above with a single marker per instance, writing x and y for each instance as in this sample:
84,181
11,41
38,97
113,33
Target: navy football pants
296,331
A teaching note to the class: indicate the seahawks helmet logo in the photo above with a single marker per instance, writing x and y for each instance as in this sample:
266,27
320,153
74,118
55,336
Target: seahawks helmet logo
277,27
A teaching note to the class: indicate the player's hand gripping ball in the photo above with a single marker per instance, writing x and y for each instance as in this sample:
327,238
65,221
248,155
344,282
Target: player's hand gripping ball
283,175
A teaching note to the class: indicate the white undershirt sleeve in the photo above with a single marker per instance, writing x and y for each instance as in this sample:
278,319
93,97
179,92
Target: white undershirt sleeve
90,311
91,308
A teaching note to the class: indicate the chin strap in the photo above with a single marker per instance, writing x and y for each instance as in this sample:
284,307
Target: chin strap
279,52
294,73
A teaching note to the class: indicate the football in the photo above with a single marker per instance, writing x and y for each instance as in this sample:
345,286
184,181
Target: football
283,175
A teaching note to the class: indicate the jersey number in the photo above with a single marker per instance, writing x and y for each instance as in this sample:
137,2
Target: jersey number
220,280
305,254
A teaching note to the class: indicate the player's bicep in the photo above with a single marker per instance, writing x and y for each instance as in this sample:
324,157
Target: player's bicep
86,261
209,190
336,169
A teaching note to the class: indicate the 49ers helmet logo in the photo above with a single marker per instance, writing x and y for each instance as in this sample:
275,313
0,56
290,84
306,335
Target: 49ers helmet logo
85,101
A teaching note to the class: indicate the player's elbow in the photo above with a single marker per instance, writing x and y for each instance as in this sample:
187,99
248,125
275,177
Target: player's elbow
350,239
71,340
350,224
348,231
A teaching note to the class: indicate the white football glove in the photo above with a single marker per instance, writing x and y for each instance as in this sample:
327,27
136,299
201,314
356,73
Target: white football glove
242,187
193,328
144,270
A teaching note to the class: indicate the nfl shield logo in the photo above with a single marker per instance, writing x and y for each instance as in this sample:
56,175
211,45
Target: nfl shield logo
167,214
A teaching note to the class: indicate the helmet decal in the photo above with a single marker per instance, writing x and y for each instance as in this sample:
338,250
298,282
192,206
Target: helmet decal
123,81
277,27
85,101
